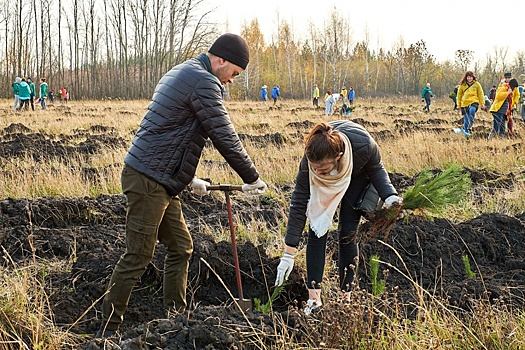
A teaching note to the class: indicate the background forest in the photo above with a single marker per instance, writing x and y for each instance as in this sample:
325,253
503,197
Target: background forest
120,49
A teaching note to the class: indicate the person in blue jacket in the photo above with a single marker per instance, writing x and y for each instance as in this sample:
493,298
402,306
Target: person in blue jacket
275,93
264,94
351,95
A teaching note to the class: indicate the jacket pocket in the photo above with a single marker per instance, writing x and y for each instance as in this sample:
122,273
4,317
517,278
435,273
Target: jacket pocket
141,237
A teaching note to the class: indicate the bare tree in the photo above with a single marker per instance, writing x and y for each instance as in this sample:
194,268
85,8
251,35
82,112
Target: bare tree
139,17
60,38
337,42
314,44
5,19
463,59
20,34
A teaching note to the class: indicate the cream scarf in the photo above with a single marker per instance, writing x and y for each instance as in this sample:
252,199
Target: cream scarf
326,191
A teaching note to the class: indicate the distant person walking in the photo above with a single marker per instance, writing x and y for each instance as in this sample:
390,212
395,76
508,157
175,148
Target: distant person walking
63,94
330,101
492,93
501,109
264,94
351,95
315,96
275,93
51,95
344,93
32,88
426,95
521,101
24,94
513,102
470,98
43,93
16,92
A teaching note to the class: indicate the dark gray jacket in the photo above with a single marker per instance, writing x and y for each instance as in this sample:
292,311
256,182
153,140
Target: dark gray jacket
186,110
366,163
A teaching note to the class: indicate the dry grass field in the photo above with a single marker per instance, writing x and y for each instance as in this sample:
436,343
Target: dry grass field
453,281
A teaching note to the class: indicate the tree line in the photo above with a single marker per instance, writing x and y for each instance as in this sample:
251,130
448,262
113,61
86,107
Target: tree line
121,48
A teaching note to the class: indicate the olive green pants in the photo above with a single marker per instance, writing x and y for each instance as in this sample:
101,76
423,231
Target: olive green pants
151,215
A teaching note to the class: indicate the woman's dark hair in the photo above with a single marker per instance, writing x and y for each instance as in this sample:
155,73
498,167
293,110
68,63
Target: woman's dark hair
323,142
468,73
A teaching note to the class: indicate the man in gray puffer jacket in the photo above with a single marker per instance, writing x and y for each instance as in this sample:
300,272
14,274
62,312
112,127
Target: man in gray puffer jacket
186,110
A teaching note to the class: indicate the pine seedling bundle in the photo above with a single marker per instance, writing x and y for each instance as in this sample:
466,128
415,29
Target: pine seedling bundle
429,195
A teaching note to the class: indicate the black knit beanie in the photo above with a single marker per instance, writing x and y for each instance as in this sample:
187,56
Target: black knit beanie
232,48
513,83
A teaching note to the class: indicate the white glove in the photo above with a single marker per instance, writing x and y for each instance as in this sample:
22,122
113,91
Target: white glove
256,188
198,187
393,199
284,268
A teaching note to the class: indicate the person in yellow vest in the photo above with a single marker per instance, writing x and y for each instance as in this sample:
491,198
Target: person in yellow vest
515,99
501,108
315,96
344,92
470,98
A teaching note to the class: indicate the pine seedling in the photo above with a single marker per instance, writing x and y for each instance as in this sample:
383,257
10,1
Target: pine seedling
378,287
267,307
429,195
433,193
466,263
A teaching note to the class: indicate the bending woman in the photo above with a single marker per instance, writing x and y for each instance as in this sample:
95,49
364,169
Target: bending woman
341,160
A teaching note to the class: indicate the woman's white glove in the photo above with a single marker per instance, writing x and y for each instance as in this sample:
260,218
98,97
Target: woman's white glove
199,187
284,268
256,188
393,199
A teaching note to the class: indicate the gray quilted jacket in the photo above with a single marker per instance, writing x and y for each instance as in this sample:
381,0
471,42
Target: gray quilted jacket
186,110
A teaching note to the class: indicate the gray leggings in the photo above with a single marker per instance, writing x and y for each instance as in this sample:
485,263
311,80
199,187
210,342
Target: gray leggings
349,219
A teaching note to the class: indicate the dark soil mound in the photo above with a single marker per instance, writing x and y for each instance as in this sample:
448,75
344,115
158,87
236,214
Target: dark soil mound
88,235
19,141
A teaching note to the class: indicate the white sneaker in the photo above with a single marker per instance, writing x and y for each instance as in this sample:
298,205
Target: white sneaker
312,305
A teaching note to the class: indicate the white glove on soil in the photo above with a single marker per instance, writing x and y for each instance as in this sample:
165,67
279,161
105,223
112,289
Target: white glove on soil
284,268
393,199
198,187
256,188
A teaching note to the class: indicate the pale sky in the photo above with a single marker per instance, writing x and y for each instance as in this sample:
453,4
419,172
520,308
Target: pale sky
444,25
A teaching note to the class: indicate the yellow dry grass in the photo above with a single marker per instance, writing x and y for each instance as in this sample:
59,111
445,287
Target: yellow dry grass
405,151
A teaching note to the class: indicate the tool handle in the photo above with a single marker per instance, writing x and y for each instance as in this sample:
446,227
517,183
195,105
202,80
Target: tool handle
224,187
